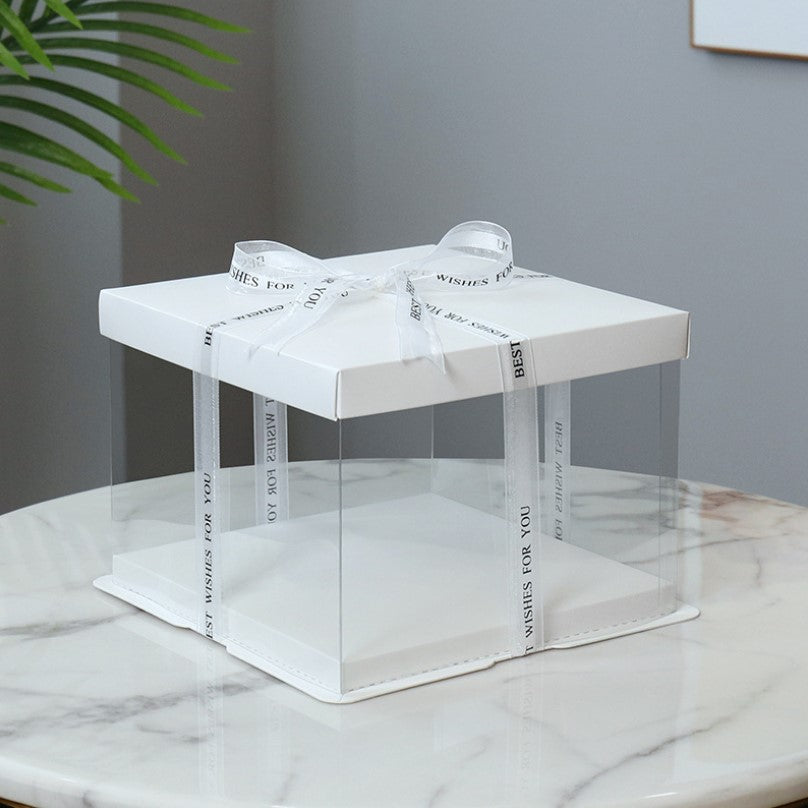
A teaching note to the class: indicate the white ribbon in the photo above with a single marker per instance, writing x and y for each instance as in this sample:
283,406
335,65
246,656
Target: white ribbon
271,477
557,459
208,505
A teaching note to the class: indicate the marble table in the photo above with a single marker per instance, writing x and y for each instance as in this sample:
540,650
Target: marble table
102,705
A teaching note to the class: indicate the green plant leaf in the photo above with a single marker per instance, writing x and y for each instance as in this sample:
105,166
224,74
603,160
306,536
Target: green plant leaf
27,8
166,10
101,104
126,76
132,52
78,125
30,176
48,14
9,60
20,32
27,39
105,106
116,189
147,30
24,141
58,7
10,193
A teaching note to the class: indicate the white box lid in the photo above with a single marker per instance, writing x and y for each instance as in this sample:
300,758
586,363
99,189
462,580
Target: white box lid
348,364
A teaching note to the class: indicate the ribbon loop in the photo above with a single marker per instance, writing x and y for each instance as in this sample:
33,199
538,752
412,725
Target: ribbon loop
471,255
272,267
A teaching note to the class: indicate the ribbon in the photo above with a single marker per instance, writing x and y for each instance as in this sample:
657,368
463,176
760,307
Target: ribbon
271,480
208,505
471,256
557,459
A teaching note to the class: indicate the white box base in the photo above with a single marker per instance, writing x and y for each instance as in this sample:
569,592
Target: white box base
414,610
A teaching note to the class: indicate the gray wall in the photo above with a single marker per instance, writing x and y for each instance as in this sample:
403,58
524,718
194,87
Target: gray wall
616,154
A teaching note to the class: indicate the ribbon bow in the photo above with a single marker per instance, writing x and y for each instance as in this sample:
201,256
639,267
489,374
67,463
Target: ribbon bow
472,255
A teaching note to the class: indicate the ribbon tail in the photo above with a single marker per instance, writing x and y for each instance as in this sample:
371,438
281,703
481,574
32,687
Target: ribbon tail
301,314
417,335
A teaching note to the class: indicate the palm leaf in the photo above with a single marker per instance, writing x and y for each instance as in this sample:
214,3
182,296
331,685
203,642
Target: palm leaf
10,193
49,13
45,34
147,30
118,6
133,52
124,75
20,32
9,60
15,138
116,189
60,8
27,8
24,141
30,176
101,104
77,125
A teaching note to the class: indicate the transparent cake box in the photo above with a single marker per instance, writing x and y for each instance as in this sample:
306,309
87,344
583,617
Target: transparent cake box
355,524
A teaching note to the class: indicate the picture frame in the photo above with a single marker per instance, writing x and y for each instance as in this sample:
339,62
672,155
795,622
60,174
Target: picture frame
777,28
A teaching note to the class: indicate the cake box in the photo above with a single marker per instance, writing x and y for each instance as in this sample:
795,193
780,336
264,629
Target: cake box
441,475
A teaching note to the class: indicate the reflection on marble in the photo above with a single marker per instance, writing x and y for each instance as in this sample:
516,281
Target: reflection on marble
101,705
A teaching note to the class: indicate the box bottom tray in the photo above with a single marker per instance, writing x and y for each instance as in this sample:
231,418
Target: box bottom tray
423,595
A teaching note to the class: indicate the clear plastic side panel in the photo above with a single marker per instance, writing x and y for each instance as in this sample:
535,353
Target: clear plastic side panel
280,550
423,542
609,553
269,590
152,484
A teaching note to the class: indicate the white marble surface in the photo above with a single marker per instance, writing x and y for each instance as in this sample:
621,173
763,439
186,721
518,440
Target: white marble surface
101,705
